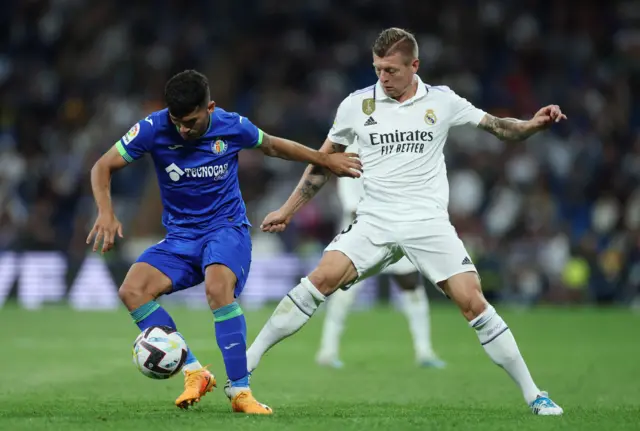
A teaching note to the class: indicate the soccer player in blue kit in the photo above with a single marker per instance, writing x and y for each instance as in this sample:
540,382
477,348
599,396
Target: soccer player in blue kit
194,146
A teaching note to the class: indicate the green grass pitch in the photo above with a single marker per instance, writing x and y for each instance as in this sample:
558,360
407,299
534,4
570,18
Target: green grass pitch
65,370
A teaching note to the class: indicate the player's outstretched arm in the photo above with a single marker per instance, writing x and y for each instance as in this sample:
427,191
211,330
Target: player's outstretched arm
511,129
313,179
340,164
107,223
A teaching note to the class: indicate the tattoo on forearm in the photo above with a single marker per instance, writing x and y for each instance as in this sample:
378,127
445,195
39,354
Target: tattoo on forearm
315,177
337,148
507,129
318,170
314,180
309,189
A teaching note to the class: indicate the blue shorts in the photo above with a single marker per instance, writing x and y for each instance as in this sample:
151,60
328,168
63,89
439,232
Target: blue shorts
184,260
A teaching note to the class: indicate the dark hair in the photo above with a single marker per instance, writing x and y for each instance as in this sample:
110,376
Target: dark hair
185,92
394,40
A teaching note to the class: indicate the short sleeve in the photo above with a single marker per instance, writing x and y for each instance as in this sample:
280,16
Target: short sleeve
137,140
248,135
342,130
463,112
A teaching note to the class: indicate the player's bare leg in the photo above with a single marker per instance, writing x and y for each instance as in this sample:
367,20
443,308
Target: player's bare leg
231,335
496,338
415,306
139,291
292,313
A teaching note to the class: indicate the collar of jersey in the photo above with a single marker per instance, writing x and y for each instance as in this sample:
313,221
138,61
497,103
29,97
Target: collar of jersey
420,92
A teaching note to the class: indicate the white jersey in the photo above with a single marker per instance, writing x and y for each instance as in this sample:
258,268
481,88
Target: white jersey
401,148
350,190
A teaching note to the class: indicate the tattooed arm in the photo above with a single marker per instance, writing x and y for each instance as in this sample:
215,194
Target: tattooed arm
511,129
313,179
506,129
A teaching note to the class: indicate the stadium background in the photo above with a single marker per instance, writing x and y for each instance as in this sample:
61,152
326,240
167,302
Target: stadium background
555,219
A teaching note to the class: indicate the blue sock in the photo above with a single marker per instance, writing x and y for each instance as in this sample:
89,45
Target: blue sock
231,335
152,314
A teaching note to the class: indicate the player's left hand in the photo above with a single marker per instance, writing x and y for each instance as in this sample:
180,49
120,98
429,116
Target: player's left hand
105,229
547,116
344,164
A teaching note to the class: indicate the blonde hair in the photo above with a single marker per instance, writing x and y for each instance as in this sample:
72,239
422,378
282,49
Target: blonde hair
394,40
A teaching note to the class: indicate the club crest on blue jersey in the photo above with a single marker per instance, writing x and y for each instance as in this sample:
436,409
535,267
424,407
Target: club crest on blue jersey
219,147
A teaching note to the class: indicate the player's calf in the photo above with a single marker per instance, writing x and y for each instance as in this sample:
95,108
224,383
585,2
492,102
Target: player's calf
231,336
229,321
496,338
142,285
415,306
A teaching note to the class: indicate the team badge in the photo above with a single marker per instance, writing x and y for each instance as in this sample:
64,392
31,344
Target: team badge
368,106
430,117
131,134
219,147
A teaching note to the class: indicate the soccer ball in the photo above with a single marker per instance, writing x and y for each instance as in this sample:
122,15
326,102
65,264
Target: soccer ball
159,352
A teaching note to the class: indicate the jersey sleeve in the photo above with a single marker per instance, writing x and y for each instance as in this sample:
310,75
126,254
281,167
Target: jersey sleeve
248,135
342,130
136,141
463,112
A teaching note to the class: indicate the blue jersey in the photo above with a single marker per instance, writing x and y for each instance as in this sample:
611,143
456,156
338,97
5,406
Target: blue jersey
198,178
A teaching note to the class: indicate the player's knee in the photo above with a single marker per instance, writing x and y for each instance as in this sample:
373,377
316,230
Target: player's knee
323,281
219,293
134,295
465,290
475,307
335,270
475,304
219,285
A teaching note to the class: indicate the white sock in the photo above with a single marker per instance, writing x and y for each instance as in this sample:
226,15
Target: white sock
191,367
338,305
497,340
290,315
415,307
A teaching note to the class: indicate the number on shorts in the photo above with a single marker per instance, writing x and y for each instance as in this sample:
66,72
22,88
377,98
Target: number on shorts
348,228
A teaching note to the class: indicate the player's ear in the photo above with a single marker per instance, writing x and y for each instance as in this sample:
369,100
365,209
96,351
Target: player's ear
211,106
415,64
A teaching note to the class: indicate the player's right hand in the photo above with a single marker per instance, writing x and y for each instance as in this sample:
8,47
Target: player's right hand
344,164
276,221
105,229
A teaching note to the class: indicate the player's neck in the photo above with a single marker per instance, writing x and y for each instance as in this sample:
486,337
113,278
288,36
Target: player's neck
206,129
411,91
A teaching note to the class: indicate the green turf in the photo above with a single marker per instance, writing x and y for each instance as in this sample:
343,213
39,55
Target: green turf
64,370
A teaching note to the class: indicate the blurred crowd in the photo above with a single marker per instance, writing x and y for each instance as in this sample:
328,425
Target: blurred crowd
557,217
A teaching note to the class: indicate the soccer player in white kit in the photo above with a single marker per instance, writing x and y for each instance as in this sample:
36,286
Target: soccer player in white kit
413,299
400,125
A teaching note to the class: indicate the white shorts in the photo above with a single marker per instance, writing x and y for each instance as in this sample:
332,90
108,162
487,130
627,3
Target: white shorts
431,246
401,267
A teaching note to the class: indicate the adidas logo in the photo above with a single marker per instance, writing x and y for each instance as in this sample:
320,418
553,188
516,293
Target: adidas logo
370,122
466,261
